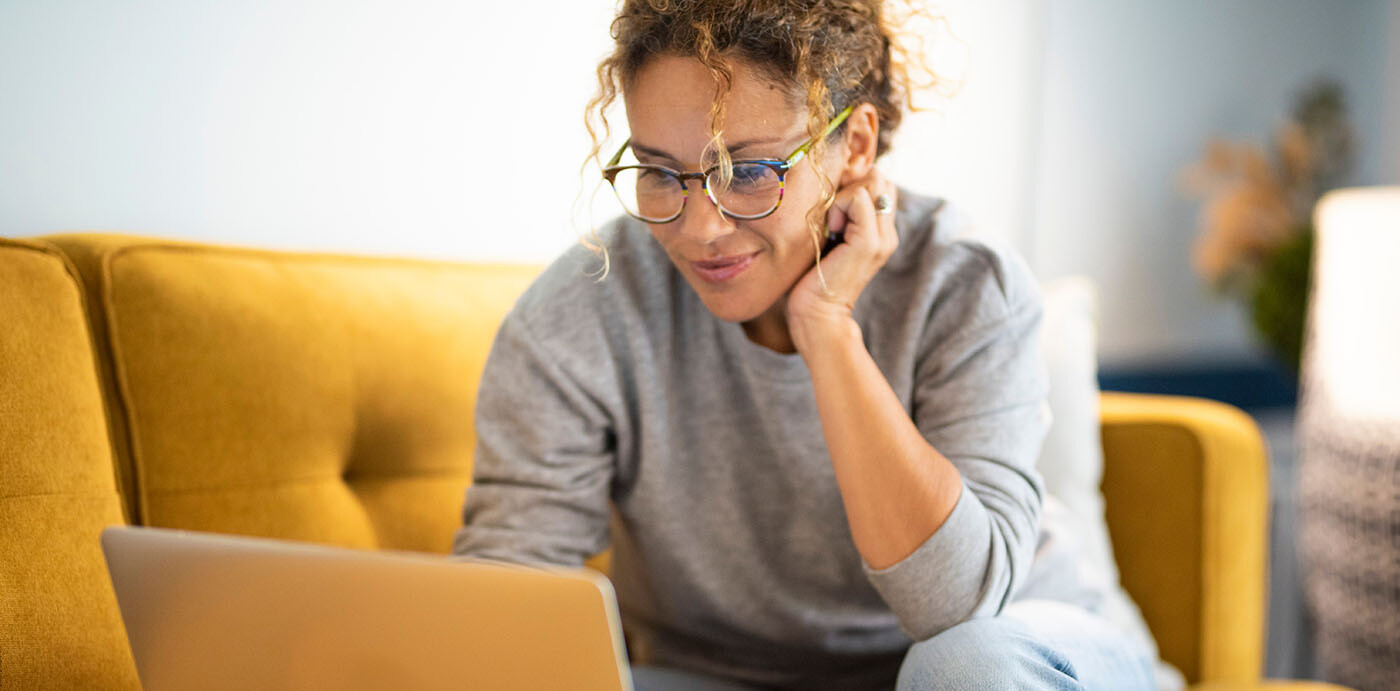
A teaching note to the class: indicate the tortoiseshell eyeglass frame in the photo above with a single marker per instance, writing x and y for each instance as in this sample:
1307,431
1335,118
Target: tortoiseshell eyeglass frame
782,167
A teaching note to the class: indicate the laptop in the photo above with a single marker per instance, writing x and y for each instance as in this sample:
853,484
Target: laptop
207,611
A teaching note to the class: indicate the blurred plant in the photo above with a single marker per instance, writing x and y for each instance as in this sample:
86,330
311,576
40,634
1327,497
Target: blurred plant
1256,236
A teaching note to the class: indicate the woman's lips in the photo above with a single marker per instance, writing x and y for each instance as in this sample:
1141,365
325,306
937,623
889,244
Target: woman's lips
724,268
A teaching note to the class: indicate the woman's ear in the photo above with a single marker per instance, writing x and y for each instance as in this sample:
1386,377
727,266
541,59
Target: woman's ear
861,141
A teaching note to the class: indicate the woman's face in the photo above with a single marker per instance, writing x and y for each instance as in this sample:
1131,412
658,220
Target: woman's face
741,269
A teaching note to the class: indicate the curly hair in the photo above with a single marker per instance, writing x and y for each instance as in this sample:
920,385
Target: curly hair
827,54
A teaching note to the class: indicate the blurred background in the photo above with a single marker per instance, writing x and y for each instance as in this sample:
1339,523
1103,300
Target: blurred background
452,129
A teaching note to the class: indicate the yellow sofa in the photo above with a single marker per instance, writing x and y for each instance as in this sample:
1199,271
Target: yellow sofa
329,399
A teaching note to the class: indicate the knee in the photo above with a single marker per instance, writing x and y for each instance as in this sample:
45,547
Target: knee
984,653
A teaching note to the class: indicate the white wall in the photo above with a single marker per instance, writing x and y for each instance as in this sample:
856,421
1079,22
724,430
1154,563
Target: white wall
430,127
1390,135
976,142
1133,90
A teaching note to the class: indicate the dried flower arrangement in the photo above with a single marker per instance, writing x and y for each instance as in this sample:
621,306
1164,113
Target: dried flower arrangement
1256,236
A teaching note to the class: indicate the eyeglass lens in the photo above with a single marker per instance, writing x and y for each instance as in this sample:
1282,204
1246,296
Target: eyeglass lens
656,195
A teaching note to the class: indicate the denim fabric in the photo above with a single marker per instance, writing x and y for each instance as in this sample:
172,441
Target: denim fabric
1033,644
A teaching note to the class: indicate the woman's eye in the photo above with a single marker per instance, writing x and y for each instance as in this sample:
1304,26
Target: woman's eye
749,175
653,179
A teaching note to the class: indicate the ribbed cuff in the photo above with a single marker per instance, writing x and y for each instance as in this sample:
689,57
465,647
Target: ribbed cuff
944,582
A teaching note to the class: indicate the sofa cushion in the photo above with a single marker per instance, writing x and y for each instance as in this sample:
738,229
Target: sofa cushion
310,397
59,623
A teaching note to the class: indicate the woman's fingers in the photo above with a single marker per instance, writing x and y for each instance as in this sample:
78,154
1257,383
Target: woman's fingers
869,238
835,218
853,212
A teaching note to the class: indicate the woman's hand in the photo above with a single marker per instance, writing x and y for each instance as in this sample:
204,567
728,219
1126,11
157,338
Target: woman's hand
870,239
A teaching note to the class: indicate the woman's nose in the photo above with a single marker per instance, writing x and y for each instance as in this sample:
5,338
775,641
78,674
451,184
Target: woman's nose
702,221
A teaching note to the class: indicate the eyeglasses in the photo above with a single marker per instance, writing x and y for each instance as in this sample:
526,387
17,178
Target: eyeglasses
657,194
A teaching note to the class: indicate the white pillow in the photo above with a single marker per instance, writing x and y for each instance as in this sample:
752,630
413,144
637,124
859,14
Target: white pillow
1071,461
1072,458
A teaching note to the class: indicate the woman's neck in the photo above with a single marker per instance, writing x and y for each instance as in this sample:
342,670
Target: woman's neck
770,329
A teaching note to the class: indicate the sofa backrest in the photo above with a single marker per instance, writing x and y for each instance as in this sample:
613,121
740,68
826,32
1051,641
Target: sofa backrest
311,397
59,623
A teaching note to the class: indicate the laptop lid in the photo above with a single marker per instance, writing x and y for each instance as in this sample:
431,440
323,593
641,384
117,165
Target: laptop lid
211,611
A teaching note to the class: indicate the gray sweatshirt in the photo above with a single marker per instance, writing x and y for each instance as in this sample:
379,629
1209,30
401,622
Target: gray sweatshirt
621,413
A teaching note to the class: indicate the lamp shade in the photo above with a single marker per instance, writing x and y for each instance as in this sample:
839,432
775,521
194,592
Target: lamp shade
1355,339
1349,438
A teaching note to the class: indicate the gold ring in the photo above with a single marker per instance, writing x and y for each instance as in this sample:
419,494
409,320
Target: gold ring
884,206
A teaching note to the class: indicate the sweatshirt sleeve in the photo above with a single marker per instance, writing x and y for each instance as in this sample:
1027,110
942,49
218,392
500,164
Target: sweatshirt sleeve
979,399
544,459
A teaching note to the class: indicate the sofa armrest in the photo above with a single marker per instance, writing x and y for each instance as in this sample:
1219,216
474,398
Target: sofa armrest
1186,499
1279,685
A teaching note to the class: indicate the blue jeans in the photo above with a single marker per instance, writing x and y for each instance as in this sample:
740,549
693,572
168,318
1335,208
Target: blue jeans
1031,645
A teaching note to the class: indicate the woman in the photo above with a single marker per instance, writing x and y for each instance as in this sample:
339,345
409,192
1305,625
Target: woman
814,471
